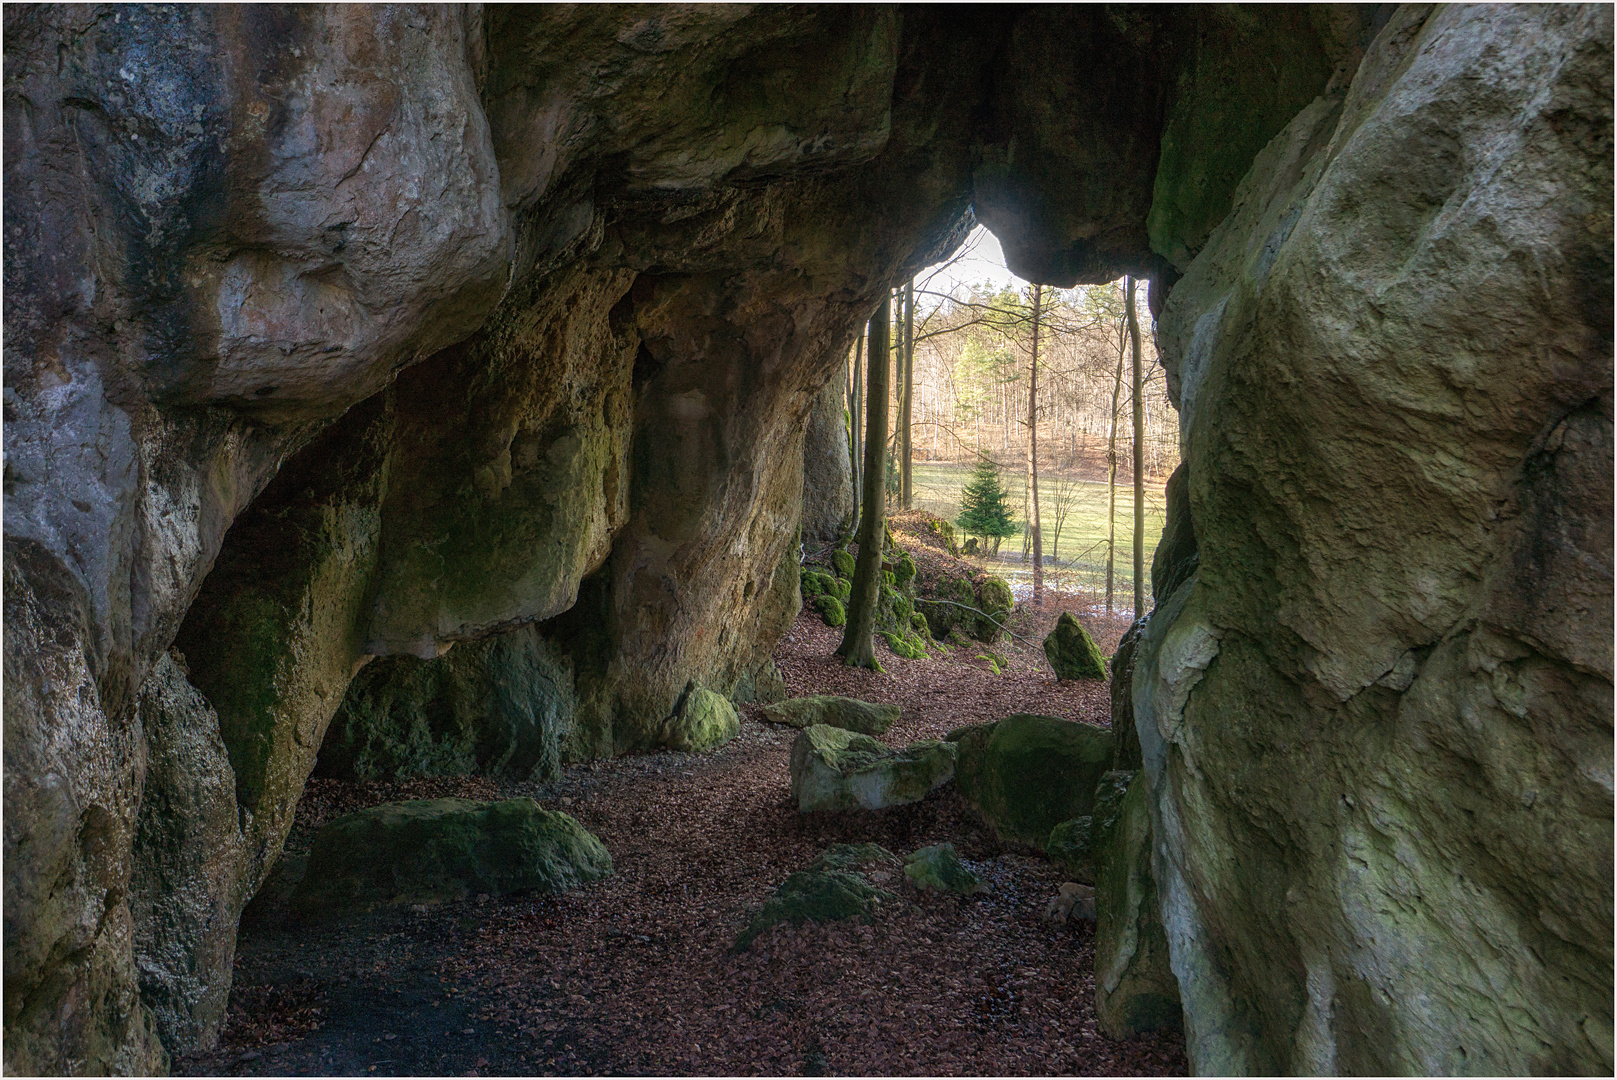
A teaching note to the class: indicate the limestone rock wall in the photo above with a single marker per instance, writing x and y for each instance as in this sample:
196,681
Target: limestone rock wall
1377,720
335,333
828,465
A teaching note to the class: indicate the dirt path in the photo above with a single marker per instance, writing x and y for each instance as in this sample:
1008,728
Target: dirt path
633,975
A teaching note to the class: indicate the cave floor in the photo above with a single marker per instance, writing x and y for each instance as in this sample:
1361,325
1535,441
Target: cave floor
633,975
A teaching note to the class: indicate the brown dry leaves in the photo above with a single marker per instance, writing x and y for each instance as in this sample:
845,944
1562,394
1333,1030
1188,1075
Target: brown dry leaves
634,975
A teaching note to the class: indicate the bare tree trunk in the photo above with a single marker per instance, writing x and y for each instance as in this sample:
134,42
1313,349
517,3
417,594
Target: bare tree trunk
1111,472
906,405
856,413
858,648
1033,453
1139,459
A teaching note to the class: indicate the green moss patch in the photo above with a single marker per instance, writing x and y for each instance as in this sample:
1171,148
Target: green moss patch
816,896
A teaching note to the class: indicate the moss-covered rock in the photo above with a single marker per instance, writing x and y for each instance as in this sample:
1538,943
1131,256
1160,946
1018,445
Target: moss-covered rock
1135,989
1068,848
435,850
850,714
939,868
908,645
995,601
500,707
844,562
816,896
812,584
853,857
903,569
1072,652
703,721
1027,774
841,588
831,610
833,769
947,605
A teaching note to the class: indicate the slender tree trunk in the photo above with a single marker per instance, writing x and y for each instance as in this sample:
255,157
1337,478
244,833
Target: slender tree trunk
858,648
906,406
1111,471
1034,522
1139,459
856,411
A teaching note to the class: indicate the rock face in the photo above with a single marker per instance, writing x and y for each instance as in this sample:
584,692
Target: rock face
433,850
850,714
1027,774
273,398
1376,721
1135,988
827,466
833,769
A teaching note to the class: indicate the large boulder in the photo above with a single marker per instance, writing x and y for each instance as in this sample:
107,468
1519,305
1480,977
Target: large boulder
1072,652
1135,988
1073,844
501,707
435,850
834,769
1027,774
850,714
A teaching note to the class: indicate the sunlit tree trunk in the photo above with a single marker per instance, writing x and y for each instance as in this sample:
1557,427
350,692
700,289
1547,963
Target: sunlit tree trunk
1139,458
1033,454
1111,472
858,648
856,412
907,402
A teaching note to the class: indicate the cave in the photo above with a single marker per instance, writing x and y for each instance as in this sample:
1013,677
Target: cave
350,350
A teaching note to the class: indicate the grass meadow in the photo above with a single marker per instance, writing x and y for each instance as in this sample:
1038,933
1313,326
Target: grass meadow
1080,550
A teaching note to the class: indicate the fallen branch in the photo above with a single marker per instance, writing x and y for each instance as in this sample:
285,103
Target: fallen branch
990,618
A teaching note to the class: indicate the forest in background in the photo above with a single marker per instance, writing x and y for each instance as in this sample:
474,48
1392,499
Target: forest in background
968,388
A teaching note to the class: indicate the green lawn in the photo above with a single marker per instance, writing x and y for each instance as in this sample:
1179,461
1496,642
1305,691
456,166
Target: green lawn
1081,552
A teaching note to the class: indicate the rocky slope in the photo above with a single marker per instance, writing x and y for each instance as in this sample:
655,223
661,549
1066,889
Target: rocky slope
341,333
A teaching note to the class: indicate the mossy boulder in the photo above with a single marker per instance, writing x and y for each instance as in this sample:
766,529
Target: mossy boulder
850,714
844,562
939,868
435,850
1072,844
853,857
703,721
833,769
995,601
831,610
841,588
1135,989
1027,774
1068,848
816,896
813,584
1072,652
903,569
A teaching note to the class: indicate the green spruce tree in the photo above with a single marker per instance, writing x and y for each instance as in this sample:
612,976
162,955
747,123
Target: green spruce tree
984,509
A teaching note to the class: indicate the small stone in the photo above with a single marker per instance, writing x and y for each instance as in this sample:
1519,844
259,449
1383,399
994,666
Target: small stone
939,868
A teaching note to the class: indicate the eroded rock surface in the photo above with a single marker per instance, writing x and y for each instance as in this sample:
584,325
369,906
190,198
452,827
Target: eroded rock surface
340,333
1377,719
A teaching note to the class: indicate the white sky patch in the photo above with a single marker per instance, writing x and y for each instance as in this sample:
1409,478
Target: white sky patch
979,260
